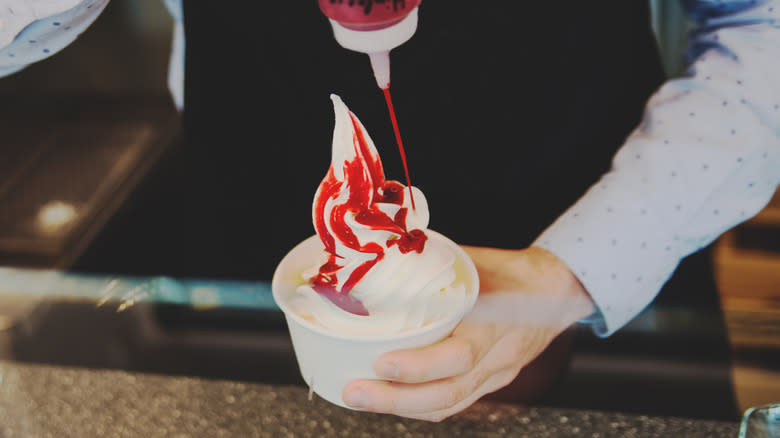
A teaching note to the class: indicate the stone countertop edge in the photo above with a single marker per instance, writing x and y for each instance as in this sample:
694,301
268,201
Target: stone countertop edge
53,401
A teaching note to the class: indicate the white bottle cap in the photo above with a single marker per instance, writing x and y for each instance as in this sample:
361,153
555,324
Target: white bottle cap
377,43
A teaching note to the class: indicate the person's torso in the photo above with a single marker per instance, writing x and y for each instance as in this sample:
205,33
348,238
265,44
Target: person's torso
508,112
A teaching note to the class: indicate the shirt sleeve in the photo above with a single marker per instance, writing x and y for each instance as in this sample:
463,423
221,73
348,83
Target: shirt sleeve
705,157
32,30
176,63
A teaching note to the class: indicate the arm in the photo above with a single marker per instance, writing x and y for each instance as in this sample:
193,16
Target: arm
706,157
32,30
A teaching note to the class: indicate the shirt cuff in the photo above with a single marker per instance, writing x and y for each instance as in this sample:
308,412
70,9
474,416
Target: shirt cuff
621,257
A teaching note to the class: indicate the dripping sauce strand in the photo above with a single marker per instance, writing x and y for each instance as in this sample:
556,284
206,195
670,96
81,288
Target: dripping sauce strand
389,100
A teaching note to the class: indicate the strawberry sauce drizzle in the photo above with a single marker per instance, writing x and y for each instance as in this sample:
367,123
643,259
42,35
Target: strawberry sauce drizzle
401,150
366,188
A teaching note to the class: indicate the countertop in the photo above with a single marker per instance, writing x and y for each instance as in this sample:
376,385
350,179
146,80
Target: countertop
55,401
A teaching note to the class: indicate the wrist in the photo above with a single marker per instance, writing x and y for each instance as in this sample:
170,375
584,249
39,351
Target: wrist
530,286
576,302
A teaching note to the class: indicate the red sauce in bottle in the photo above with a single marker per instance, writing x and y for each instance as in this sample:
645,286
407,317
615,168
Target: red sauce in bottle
367,14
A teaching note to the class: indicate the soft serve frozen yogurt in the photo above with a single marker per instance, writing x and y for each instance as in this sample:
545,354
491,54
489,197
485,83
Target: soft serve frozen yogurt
381,270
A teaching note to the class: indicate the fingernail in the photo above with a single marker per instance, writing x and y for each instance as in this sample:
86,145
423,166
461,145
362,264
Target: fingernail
388,371
356,398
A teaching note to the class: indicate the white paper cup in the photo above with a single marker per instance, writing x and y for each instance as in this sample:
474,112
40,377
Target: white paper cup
328,361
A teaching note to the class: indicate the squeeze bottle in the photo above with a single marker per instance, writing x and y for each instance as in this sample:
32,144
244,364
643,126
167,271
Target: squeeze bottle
373,27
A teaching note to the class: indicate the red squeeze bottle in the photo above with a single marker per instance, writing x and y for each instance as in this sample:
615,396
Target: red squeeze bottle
375,27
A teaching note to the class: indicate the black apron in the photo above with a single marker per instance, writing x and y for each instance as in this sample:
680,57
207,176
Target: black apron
509,112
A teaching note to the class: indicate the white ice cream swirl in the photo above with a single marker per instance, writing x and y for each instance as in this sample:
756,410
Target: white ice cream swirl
381,272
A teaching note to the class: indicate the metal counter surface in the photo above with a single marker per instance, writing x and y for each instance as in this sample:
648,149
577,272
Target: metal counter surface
51,401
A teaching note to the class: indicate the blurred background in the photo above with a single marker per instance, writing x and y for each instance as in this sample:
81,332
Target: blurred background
104,101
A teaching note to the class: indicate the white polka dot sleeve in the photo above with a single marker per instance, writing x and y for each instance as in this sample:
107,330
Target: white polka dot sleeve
705,158
31,30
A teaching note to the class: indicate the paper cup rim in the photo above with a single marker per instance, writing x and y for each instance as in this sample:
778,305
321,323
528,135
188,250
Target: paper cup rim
471,289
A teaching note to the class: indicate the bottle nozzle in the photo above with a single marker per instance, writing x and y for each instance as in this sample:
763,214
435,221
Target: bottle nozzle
377,43
380,63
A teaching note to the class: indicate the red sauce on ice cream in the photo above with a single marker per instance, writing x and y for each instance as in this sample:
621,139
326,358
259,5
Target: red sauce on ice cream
364,177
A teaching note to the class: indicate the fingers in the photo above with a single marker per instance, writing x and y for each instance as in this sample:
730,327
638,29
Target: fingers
495,382
431,401
436,399
454,356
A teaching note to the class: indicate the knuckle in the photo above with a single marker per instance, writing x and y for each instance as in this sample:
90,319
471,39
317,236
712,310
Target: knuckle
506,377
437,418
453,394
465,356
